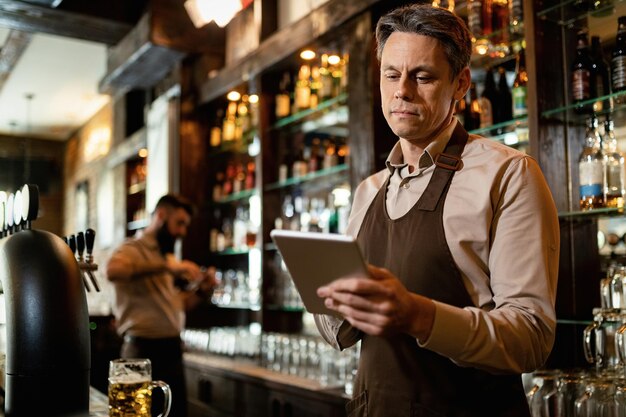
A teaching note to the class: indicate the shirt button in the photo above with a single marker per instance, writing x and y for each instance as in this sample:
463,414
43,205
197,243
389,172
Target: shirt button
406,185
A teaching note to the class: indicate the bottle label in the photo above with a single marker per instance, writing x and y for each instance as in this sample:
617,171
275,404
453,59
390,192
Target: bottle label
486,112
618,71
520,107
580,84
591,178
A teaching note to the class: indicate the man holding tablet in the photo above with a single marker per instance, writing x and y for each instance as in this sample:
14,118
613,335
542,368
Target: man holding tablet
462,237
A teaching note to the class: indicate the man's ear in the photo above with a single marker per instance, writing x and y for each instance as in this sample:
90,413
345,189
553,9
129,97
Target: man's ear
463,81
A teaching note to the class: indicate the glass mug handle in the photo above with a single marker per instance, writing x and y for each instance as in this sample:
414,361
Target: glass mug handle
167,394
589,356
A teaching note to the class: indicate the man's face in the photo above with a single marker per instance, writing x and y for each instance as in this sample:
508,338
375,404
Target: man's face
174,226
416,87
177,221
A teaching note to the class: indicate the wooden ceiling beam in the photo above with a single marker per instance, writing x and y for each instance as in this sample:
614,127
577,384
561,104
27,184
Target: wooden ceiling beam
13,48
29,17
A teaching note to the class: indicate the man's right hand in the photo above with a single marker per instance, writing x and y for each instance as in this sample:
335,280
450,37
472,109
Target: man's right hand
185,269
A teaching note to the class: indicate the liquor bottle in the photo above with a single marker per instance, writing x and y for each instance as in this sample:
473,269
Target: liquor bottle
489,96
505,99
516,16
614,181
283,98
315,84
499,28
302,98
314,161
250,175
618,60
474,109
229,125
600,77
519,92
581,73
243,115
475,18
215,138
326,80
591,168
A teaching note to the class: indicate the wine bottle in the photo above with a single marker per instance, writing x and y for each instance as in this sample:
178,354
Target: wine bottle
600,77
581,74
618,60
489,97
505,99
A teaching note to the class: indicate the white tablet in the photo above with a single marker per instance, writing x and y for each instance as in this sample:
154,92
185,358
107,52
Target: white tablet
315,259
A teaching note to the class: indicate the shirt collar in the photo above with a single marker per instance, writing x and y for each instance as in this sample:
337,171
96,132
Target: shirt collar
395,160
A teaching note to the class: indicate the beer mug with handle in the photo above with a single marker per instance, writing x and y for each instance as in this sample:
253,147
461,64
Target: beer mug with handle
130,389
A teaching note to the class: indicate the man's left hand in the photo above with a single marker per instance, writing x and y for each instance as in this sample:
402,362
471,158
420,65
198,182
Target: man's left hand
380,305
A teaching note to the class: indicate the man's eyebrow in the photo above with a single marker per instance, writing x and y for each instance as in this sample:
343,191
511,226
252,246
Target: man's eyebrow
414,70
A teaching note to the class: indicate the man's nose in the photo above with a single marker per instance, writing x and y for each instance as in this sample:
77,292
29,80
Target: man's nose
403,91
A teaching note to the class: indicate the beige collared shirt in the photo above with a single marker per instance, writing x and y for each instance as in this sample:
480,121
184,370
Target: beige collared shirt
146,304
502,229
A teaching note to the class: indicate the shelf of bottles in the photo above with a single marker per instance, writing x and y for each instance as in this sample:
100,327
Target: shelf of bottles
495,110
310,142
572,12
597,101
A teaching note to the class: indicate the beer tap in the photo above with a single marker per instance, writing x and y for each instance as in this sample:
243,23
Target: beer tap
72,242
88,265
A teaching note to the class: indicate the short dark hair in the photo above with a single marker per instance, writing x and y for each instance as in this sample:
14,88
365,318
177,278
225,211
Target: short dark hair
424,19
175,201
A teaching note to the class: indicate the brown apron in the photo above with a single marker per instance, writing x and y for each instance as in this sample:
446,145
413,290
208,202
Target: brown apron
396,377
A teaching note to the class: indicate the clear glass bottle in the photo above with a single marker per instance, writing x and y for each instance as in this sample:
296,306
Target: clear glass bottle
591,169
613,168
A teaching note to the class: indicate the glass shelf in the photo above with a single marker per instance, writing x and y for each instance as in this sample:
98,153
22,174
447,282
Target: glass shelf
553,13
309,114
587,214
324,173
610,104
242,195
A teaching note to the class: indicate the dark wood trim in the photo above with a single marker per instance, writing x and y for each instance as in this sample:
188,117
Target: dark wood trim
29,17
136,62
284,43
13,48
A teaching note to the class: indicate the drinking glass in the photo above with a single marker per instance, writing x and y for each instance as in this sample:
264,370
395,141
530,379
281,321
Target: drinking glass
130,389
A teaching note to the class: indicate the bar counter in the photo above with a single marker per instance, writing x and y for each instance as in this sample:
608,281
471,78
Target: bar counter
240,387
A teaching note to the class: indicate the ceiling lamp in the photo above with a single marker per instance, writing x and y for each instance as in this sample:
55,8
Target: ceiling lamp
202,12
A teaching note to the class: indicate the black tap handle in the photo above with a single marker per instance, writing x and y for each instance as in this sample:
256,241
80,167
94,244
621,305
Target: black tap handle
65,240
80,243
90,237
72,243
